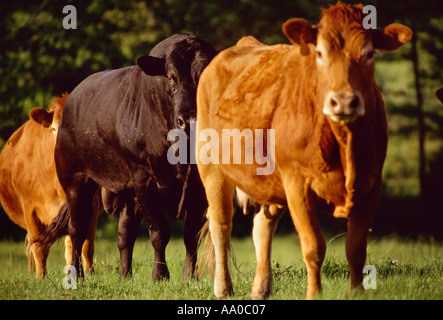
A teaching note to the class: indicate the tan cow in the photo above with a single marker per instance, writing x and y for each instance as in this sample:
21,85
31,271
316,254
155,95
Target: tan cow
319,98
30,192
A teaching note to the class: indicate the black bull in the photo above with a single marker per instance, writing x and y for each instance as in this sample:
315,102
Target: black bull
113,134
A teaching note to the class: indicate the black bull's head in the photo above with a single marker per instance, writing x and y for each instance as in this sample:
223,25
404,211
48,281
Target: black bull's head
181,64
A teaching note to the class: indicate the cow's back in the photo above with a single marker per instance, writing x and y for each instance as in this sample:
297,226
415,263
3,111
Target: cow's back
240,76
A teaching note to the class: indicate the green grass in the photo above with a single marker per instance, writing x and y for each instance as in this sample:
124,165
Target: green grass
406,269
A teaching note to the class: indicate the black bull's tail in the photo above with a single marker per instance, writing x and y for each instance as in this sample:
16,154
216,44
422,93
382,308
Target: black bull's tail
57,229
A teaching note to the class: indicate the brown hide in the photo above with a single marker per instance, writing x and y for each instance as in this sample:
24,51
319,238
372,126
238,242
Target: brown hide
30,192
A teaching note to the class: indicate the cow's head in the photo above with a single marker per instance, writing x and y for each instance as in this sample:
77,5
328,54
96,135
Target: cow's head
50,119
181,66
344,56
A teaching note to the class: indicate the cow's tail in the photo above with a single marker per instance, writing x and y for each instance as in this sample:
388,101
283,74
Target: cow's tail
56,230
206,261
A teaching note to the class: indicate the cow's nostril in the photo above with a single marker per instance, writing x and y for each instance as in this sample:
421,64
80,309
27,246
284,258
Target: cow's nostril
355,102
333,102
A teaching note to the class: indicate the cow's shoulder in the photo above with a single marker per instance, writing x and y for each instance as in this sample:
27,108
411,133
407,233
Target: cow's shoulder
249,79
103,91
106,79
249,53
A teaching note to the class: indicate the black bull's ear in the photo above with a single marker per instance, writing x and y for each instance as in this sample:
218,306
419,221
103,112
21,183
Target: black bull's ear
152,66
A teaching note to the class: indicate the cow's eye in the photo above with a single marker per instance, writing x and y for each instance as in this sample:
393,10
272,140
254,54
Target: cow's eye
181,123
318,54
370,55
169,77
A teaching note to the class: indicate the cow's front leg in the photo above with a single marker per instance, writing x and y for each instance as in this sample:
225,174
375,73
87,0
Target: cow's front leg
302,208
159,230
359,223
159,234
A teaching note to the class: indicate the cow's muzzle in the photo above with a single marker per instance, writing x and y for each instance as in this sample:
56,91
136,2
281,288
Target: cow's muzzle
344,105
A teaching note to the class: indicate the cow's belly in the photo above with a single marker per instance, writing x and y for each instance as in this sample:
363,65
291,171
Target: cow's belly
261,188
107,168
112,181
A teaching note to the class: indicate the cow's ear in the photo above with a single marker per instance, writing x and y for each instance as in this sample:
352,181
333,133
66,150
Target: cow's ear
392,37
152,66
439,94
300,32
42,116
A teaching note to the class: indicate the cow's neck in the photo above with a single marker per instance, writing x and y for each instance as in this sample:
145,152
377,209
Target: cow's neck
336,144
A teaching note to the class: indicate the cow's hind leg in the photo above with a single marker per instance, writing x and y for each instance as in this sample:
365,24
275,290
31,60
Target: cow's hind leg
37,251
79,197
88,245
128,223
265,223
40,254
195,210
68,251
193,224
29,254
219,192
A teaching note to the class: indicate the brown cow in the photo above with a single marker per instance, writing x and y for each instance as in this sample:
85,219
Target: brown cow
320,99
29,189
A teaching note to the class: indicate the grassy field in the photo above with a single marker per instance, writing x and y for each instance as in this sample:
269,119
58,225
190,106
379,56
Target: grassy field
406,269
